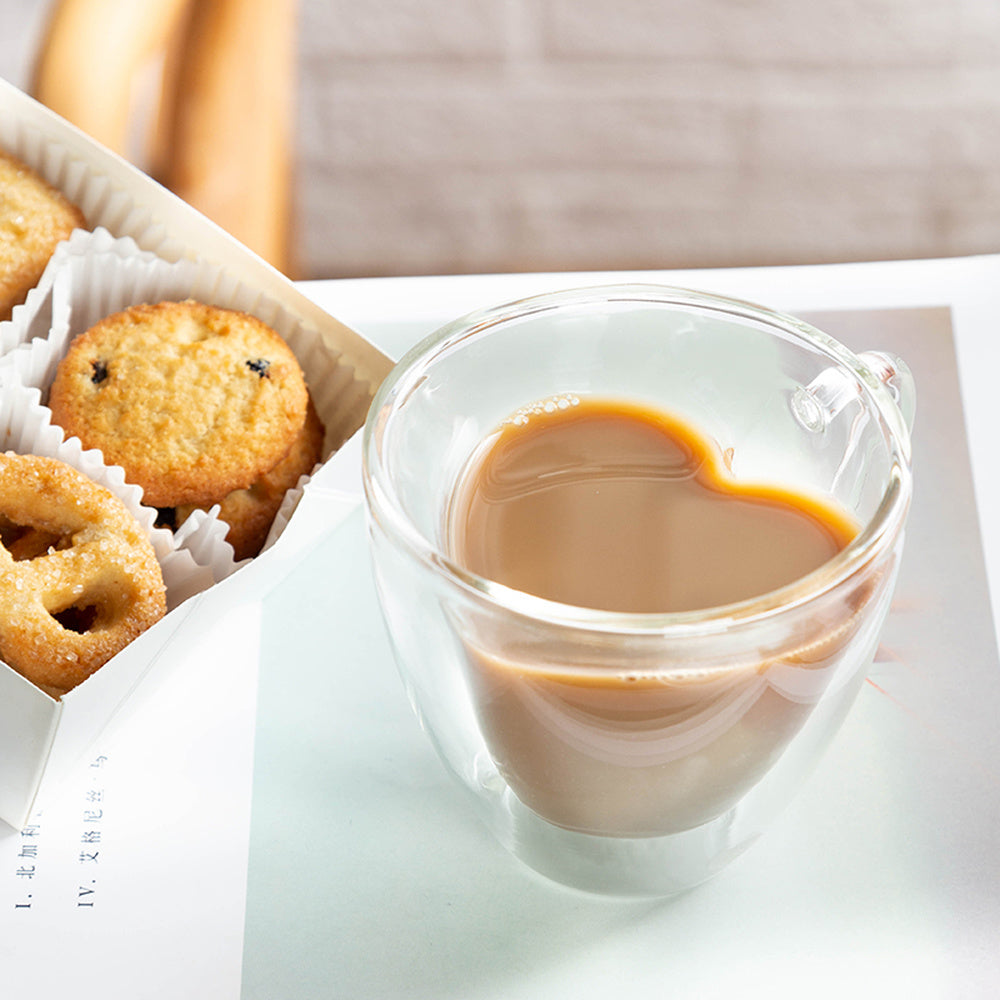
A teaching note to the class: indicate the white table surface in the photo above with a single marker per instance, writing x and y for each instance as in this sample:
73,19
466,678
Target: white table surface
357,865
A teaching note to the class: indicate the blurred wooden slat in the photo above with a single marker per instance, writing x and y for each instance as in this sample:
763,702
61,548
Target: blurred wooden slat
220,131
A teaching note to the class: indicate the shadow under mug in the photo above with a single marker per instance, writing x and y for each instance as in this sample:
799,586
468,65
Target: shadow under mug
637,754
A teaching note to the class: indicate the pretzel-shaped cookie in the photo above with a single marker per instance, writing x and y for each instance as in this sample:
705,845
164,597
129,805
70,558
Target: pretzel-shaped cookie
79,579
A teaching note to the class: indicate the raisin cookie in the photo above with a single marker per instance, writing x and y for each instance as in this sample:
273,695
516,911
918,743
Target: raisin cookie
191,400
250,512
79,579
34,217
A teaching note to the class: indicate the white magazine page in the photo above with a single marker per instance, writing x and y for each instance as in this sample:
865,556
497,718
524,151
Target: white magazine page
131,882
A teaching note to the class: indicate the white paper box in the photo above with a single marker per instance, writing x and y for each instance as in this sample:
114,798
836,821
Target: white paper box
41,738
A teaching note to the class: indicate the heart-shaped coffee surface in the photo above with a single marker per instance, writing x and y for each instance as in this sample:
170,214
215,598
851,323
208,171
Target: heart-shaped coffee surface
607,504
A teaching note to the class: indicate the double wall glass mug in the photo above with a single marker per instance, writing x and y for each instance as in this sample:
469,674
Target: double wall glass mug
621,753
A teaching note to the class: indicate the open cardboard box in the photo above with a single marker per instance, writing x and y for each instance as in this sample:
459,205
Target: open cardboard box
134,223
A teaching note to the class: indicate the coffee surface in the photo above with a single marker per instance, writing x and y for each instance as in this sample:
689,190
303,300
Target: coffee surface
612,505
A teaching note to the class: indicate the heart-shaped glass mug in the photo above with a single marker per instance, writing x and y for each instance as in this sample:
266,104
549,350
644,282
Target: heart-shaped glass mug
623,753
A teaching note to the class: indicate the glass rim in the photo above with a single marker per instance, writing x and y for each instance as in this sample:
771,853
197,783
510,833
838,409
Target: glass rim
872,538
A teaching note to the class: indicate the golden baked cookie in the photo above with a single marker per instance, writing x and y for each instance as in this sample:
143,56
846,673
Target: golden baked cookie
79,579
192,400
34,217
250,512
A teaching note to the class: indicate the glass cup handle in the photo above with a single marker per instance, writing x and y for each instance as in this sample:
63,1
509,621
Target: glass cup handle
816,404
895,374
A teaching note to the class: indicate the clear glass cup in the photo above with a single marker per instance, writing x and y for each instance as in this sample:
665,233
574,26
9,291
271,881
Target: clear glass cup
636,754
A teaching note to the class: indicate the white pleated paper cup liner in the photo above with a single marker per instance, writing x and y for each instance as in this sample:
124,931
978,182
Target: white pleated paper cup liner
103,203
30,320
95,275
98,275
285,511
26,429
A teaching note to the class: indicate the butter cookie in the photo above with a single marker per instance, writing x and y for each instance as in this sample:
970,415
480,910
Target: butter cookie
34,218
79,579
193,401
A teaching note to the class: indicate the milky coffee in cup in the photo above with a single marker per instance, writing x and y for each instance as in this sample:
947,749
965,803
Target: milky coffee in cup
612,505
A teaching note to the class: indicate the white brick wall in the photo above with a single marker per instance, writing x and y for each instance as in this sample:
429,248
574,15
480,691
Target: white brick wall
559,134
484,135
